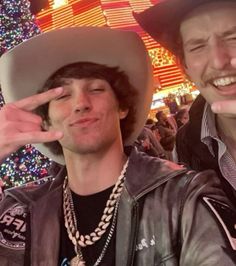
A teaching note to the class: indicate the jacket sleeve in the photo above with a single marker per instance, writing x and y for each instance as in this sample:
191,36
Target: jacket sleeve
208,224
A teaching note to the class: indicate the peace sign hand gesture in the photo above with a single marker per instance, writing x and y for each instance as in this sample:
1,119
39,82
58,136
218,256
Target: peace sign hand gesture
20,126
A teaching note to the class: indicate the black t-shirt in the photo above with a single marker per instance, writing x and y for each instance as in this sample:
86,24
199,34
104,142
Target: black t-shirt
88,210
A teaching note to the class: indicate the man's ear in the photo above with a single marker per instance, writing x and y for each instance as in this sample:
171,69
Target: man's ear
183,66
185,71
123,113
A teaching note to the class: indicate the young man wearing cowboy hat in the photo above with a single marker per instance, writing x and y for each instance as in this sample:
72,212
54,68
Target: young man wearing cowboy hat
107,206
202,34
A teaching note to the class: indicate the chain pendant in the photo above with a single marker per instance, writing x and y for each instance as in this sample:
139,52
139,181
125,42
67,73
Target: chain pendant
76,261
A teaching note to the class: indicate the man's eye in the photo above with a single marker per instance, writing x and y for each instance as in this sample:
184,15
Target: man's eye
62,97
231,39
196,48
97,89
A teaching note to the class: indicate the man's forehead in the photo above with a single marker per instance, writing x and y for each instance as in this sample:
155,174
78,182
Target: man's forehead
220,15
88,80
209,7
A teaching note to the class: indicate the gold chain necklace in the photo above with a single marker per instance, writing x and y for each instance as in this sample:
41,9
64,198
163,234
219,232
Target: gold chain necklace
111,208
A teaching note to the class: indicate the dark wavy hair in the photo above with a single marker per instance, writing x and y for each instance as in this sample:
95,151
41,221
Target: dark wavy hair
125,93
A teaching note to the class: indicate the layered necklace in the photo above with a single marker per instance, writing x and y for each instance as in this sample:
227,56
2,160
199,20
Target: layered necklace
108,217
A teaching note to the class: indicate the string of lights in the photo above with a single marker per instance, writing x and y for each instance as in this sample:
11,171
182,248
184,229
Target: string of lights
17,24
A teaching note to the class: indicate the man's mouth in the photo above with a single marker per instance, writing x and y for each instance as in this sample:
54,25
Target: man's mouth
224,81
84,122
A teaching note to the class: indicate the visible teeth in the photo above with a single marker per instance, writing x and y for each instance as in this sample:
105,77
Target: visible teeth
224,81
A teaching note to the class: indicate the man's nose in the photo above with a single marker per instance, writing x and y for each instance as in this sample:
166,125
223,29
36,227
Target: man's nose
219,56
82,102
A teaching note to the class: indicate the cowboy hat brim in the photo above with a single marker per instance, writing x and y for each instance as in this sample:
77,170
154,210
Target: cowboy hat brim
25,68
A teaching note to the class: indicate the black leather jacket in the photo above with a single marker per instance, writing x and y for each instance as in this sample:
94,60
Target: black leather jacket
189,148
167,216
195,154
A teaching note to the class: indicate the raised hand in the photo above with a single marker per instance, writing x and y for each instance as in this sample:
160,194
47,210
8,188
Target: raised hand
224,107
227,106
20,126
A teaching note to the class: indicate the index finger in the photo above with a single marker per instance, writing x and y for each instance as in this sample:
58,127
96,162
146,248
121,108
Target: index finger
226,107
233,62
32,102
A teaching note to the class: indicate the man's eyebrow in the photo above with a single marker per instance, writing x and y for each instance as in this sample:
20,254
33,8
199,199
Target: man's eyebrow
194,41
64,81
228,32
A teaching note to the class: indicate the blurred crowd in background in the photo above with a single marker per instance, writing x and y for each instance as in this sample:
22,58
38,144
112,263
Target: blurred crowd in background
158,136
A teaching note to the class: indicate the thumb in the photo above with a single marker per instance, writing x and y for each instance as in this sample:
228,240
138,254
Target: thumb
233,62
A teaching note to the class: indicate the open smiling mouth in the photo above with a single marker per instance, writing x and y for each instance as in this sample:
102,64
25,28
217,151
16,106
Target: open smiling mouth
225,85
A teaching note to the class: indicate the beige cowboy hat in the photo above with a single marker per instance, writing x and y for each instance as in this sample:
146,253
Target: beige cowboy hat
25,68
162,20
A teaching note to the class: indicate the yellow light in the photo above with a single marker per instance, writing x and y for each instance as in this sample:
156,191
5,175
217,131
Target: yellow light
59,3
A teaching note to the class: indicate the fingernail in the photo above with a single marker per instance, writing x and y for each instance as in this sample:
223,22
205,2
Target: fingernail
215,107
58,89
233,62
58,134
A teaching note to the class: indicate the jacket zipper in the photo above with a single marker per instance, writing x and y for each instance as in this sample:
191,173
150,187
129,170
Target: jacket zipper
134,231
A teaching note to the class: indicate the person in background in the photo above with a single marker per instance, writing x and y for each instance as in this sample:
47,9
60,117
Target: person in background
144,144
182,117
166,129
150,123
167,121
202,35
109,204
148,143
171,103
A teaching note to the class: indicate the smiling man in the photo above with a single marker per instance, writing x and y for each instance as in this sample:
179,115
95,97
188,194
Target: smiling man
202,34
109,205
